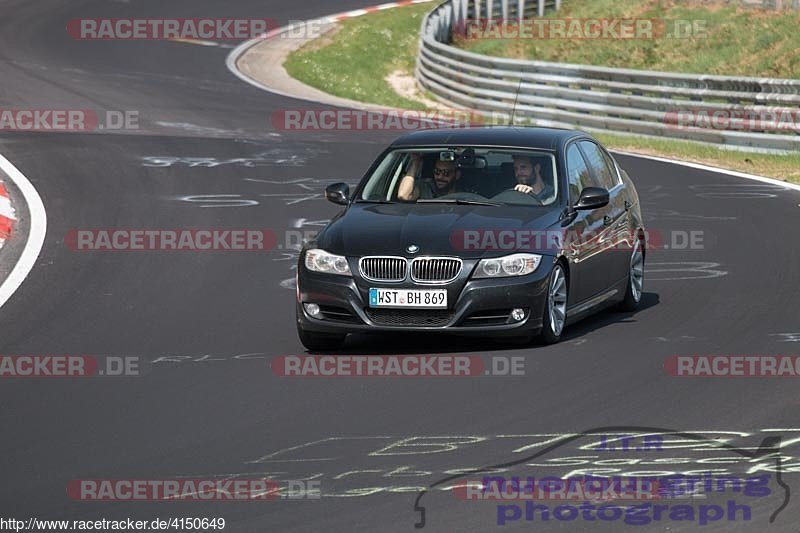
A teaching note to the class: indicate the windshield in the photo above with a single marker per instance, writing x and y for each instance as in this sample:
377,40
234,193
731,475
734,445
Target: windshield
481,176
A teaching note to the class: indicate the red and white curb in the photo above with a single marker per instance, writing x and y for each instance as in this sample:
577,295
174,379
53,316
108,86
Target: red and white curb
38,228
7,215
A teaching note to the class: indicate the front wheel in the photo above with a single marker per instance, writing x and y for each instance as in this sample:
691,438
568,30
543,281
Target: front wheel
555,309
633,294
320,342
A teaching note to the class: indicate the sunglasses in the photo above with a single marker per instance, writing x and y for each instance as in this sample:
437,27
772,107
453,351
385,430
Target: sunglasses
441,171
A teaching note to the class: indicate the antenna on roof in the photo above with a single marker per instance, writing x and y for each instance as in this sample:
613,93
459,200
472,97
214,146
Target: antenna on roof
516,99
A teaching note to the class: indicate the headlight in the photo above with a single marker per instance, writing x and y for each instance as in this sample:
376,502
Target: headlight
510,265
321,261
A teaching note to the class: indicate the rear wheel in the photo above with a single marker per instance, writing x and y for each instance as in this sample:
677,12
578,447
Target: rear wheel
555,309
320,341
633,294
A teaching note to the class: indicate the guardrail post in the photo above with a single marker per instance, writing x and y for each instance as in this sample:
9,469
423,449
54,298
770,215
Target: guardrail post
445,29
490,9
558,5
520,10
456,20
541,8
504,7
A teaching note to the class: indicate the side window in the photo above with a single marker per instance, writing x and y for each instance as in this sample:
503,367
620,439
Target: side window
578,173
599,165
612,165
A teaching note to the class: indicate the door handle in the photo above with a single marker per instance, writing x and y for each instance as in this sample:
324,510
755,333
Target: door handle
607,220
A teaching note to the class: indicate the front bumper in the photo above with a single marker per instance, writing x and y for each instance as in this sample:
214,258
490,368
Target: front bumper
475,307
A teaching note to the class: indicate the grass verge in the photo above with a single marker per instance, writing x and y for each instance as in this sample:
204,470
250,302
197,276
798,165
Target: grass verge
709,38
354,61
782,167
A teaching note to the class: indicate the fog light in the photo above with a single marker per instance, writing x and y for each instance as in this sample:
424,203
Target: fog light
313,310
517,314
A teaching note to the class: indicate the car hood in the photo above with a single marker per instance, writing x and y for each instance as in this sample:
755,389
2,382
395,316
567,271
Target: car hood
437,229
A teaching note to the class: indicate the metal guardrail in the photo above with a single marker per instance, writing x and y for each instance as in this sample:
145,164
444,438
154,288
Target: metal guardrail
590,97
769,4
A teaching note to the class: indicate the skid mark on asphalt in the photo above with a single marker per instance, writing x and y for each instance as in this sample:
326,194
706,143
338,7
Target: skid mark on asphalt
737,191
206,131
292,199
682,338
218,200
201,42
683,270
309,189
787,337
237,200
655,214
364,465
270,158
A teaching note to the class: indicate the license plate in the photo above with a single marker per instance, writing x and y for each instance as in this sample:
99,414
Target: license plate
408,298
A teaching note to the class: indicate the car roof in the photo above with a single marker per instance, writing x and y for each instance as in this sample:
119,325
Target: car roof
541,138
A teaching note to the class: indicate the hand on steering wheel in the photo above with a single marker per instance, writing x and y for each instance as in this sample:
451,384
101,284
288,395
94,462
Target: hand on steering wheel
527,190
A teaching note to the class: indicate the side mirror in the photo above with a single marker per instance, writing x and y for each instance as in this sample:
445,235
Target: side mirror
592,198
339,193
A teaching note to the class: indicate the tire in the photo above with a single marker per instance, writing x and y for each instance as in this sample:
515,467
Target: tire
555,309
320,342
633,293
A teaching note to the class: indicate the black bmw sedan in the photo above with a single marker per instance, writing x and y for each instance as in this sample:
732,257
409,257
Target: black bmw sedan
493,231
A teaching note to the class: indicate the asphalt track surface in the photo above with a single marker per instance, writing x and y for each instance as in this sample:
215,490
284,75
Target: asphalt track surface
207,323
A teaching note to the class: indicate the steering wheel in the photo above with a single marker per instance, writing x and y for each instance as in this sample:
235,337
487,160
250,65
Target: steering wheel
515,194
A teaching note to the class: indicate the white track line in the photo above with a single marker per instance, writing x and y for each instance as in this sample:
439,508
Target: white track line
38,229
716,170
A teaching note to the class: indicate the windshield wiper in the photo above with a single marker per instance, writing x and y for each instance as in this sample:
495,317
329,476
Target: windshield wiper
459,201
